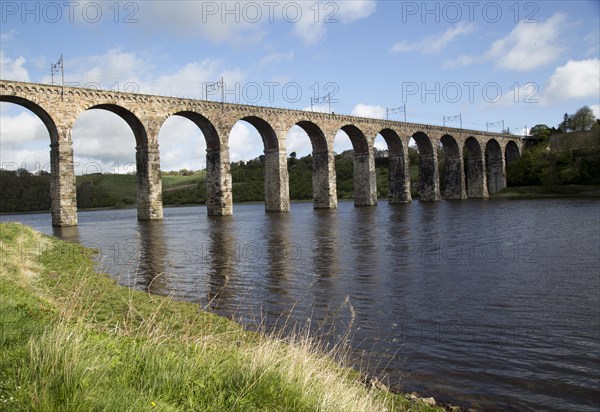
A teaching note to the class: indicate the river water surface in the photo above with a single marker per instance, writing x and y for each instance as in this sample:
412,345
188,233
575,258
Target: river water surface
489,304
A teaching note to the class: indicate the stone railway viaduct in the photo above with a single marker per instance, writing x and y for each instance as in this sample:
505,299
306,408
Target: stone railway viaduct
484,171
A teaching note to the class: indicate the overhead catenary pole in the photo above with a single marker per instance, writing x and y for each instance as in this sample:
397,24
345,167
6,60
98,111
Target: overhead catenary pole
450,118
498,123
395,110
53,69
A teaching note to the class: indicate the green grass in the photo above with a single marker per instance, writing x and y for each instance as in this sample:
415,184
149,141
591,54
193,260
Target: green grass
73,340
533,192
170,182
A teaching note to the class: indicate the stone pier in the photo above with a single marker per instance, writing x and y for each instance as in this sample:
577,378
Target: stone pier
365,183
477,187
429,188
149,183
63,195
277,189
455,178
323,180
399,180
219,201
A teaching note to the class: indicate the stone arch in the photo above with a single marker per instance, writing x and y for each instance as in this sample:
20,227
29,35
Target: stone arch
323,168
454,176
139,131
219,199
266,131
474,170
512,152
63,197
276,179
429,186
147,161
365,184
398,177
38,110
495,170
360,145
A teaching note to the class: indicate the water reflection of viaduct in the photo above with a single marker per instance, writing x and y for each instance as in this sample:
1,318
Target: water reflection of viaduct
483,172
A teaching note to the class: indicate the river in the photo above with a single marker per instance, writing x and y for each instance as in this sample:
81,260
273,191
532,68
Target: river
491,304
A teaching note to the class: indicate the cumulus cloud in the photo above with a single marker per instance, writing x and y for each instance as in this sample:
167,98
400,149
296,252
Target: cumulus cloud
576,79
103,143
435,43
276,58
244,142
298,141
241,23
220,22
22,127
366,110
316,17
13,69
527,47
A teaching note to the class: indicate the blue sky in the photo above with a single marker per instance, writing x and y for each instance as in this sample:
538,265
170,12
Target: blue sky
523,63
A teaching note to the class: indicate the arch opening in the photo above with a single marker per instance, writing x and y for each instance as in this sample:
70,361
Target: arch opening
194,169
355,168
49,184
104,150
319,163
264,177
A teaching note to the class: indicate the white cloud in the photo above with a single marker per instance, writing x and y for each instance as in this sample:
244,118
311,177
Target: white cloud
276,58
298,141
596,109
102,141
241,23
244,142
21,128
316,17
350,10
182,145
435,43
30,158
219,22
7,36
341,142
13,69
528,46
189,80
576,79
366,110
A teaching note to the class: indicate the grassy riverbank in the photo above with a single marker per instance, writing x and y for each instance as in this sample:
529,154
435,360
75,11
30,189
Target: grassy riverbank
71,339
535,192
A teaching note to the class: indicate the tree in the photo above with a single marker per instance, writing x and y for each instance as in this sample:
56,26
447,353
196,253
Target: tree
540,131
583,119
565,125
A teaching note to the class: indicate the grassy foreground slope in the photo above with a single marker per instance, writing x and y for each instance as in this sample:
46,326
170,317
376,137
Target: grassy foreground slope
71,339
